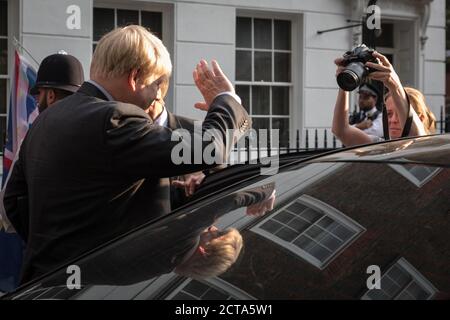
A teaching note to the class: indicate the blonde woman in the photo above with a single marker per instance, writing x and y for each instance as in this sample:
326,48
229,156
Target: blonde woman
426,116
396,105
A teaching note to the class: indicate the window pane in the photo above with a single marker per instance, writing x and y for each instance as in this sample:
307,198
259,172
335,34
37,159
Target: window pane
263,66
127,17
244,65
284,217
280,100
287,234
244,33
282,67
417,292
297,208
261,123
244,93
2,96
103,22
196,288
271,226
3,18
283,134
386,38
299,225
282,34
153,21
263,33
3,56
214,294
261,100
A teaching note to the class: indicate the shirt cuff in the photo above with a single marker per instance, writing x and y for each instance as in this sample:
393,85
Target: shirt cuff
232,94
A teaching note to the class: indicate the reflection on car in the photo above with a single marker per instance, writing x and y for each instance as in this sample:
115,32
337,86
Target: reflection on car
385,205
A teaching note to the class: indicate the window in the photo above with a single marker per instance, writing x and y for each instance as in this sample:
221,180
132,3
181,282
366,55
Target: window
311,229
106,19
263,72
418,175
385,41
402,282
210,289
4,77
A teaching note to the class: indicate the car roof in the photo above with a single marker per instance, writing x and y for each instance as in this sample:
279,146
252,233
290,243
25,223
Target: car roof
426,150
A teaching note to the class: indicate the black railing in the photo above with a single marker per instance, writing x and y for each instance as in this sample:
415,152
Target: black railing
307,140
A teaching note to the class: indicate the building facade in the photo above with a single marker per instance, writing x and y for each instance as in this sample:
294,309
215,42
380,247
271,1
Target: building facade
282,67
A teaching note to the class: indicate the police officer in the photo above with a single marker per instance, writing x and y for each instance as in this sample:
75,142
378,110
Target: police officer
59,76
369,119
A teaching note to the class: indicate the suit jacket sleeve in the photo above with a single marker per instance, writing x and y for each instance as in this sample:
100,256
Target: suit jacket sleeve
138,148
16,199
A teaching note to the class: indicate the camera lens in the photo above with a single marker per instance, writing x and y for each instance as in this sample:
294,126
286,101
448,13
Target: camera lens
352,76
347,80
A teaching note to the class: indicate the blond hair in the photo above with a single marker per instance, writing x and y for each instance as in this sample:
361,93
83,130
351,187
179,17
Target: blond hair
220,254
427,117
132,48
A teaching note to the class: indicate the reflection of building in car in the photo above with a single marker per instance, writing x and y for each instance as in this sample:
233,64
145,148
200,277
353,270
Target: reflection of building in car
334,216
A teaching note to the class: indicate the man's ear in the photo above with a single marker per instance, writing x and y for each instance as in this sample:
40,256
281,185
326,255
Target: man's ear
51,96
133,78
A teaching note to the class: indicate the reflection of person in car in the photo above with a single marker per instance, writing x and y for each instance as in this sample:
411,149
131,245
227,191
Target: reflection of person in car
216,251
189,245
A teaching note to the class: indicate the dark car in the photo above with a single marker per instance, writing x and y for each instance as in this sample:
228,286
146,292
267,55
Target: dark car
368,222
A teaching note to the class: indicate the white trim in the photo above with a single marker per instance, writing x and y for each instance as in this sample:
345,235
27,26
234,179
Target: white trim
325,210
293,86
214,283
417,277
401,169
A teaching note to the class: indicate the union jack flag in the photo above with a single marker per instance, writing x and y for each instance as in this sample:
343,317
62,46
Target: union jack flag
21,113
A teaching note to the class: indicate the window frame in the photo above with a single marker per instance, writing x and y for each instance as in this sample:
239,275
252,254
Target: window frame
399,168
296,73
168,27
214,283
416,276
327,210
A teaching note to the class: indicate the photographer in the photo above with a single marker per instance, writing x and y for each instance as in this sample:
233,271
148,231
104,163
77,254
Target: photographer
396,105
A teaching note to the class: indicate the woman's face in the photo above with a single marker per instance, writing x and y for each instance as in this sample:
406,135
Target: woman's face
395,129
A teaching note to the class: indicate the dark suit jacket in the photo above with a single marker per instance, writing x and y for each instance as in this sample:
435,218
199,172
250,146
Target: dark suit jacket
81,166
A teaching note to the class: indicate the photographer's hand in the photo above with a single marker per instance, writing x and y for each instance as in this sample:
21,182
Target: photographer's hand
340,66
385,72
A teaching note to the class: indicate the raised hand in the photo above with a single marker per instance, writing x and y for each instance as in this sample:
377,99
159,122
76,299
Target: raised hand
384,72
210,82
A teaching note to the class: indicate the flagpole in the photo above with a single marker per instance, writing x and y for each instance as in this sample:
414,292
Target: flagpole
18,45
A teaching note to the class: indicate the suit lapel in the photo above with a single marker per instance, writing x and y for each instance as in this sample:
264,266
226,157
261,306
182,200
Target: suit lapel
172,121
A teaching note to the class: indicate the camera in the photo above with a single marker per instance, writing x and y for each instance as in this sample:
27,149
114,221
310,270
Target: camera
355,71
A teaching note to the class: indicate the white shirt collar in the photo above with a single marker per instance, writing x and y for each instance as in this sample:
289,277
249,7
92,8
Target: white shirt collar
162,118
103,90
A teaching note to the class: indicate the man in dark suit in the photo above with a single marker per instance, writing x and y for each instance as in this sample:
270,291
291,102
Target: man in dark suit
85,159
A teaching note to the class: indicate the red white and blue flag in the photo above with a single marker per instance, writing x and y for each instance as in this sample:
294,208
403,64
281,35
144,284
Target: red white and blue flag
21,113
